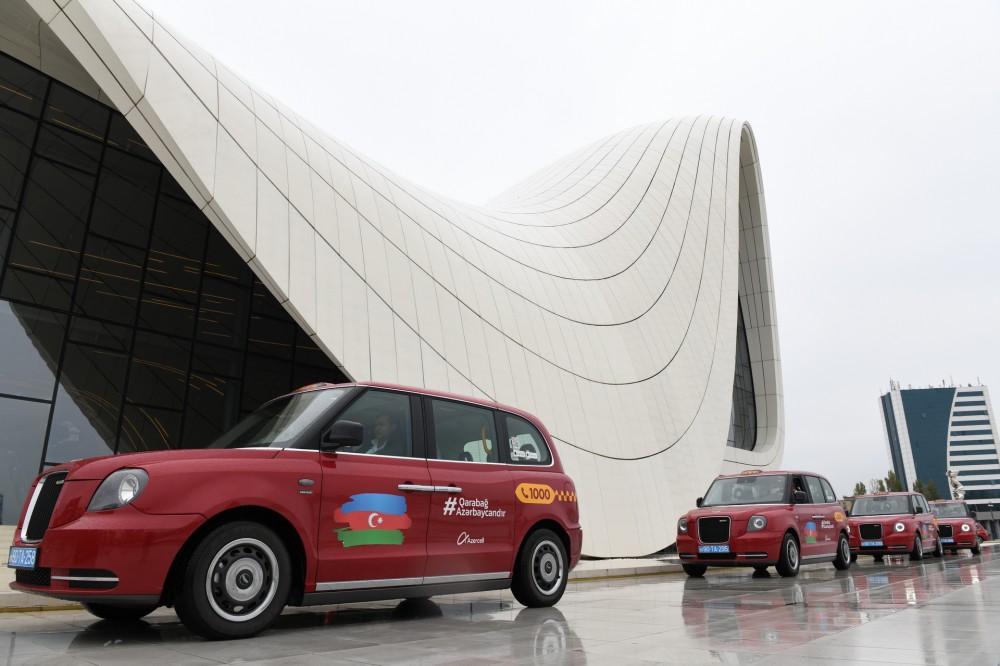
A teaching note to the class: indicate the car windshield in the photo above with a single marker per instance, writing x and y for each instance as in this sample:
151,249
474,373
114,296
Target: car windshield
950,510
750,489
883,505
280,421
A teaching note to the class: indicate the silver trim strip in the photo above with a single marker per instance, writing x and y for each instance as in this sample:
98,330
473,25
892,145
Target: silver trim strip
90,579
463,578
816,557
31,510
402,582
416,488
447,489
358,584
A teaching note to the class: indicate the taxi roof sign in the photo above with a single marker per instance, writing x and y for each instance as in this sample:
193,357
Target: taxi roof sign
749,471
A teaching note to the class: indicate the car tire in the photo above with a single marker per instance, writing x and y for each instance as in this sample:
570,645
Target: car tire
938,548
118,613
789,558
695,570
843,560
977,550
878,558
918,549
854,558
235,583
541,570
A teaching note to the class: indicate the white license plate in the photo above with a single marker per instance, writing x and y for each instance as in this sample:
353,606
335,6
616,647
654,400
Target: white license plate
22,558
714,549
947,541
866,544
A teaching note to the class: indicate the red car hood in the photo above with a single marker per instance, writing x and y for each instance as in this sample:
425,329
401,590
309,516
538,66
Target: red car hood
99,468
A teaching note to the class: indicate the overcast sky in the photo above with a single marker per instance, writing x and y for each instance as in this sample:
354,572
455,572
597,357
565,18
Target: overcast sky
876,124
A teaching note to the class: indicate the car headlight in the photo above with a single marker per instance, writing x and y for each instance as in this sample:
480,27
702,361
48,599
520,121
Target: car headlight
756,523
682,526
119,489
899,527
966,528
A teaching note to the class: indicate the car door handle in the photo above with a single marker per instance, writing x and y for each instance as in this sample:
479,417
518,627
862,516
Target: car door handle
416,488
819,517
447,489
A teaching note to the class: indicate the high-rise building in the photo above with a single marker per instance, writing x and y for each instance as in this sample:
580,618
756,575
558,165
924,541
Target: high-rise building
946,435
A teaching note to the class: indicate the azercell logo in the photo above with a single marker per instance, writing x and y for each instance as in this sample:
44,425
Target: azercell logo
449,506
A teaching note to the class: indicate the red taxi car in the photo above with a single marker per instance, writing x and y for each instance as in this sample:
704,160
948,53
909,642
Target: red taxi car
759,519
956,524
333,493
982,533
893,524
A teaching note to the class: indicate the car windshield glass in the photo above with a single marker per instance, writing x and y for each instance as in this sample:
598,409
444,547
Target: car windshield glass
280,421
750,489
885,505
956,510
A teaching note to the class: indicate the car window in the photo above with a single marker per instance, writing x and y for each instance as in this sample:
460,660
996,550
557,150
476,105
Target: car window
815,490
463,432
385,416
949,510
749,489
280,422
525,445
831,496
881,505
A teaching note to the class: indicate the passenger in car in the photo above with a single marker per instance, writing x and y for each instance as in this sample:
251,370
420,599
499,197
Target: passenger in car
386,441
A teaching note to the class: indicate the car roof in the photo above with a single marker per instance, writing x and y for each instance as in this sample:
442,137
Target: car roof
767,472
894,492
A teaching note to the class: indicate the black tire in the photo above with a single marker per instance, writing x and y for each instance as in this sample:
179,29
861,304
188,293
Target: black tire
235,583
843,560
540,573
918,549
789,558
938,549
879,558
695,570
760,568
977,549
118,613
854,558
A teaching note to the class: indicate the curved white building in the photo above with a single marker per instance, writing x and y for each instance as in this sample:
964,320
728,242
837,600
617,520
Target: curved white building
623,294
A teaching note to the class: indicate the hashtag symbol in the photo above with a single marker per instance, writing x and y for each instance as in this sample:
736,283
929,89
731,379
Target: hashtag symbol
449,506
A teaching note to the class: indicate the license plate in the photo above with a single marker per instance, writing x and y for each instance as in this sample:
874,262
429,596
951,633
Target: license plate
22,558
947,541
866,544
714,549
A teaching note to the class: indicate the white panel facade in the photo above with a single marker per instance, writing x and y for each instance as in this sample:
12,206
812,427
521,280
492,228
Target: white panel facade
599,294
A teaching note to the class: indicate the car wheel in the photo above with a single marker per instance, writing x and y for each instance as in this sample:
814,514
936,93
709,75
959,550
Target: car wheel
854,558
918,549
977,550
118,613
843,559
788,559
695,570
938,548
878,558
540,573
235,582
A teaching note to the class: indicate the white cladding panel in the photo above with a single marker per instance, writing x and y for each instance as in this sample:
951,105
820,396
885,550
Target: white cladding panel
599,294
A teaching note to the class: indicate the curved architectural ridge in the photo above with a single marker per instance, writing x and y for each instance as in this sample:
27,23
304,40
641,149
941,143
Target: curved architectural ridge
601,293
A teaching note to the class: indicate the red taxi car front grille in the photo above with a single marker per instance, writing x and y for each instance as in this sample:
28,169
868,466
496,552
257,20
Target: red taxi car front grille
945,531
713,529
870,531
45,503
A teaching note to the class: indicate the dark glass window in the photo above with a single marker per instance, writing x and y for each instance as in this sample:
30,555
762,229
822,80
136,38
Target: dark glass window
970,442
743,418
976,412
463,432
125,317
968,394
955,424
962,433
972,403
967,463
385,416
525,444
977,452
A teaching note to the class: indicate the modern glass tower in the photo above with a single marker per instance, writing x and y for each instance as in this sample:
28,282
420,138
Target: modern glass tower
930,431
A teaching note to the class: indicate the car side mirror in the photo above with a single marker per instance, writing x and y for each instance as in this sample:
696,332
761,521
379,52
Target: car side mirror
698,502
343,433
799,497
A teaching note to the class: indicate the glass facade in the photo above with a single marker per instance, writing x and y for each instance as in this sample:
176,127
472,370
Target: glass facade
928,413
743,420
127,321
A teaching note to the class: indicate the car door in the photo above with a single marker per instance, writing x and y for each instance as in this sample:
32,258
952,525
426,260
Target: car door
925,519
822,518
375,507
807,525
472,511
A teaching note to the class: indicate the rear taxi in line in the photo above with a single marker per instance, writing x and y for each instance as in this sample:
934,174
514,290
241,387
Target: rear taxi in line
893,524
331,494
760,519
956,525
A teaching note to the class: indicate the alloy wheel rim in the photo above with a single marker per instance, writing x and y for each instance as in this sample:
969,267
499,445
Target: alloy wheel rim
242,580
547,567
792,551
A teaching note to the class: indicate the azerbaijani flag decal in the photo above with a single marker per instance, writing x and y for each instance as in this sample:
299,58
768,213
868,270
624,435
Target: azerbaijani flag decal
375,519
811,533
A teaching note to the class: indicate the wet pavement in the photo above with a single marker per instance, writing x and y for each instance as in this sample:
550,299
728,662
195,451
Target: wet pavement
938,611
